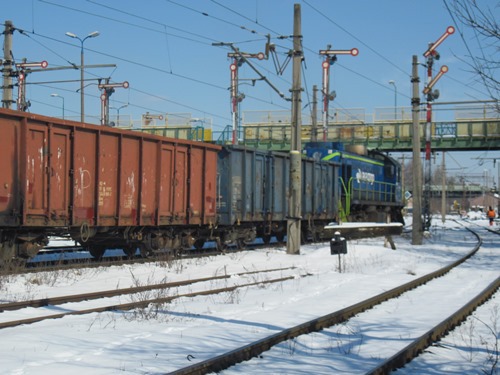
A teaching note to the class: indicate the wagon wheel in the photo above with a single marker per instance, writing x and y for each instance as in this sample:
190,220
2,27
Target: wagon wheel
145,252
266,238
280,237
221,245
240,244
198,244
130,251
96,251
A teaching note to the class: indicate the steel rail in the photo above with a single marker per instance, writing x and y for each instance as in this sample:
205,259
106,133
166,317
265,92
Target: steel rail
139,304
254,349
412,350
117,292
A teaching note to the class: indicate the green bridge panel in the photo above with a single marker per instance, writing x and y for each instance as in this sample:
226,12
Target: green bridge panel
396,136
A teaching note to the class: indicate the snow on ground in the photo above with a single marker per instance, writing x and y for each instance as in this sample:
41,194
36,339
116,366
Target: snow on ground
153,340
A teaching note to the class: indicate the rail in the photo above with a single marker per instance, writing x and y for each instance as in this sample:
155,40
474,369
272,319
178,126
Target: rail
254,349
128,306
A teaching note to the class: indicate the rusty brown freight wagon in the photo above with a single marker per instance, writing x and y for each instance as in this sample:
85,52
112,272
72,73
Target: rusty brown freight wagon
100,185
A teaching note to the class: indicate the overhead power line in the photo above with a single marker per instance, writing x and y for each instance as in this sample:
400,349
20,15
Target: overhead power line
355,37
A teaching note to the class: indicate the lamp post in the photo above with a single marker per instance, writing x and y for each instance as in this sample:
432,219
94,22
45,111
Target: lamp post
91,35
391,82
62,97
118,113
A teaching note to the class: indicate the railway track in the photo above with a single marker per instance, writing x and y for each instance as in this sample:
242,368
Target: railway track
71,257
62,302
360,315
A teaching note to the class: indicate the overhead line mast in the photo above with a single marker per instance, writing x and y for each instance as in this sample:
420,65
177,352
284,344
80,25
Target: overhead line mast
7,65
295,201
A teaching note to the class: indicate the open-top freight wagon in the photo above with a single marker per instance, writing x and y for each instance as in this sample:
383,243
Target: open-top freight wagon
100,185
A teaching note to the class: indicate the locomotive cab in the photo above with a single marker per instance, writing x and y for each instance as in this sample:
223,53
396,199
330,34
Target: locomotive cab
369,180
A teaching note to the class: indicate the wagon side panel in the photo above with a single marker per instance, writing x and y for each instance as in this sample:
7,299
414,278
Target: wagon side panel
210,185
196,185
34,164
85,172
308,186
9,177
149,184
108,185
202,185
59,176
166,171
277,194
179,181
129,181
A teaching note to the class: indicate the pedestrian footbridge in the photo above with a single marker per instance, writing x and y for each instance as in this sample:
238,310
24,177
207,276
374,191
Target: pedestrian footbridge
476,131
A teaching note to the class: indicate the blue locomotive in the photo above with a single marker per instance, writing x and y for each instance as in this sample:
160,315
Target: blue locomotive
370,182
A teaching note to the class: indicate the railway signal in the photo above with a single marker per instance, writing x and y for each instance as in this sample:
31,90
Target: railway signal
330,59
450,30
147,118
108,89
23,69
236,97
431,54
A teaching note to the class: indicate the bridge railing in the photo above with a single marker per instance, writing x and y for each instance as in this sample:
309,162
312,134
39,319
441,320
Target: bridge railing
394,131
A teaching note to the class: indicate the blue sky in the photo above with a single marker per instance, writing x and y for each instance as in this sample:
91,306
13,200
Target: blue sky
164,50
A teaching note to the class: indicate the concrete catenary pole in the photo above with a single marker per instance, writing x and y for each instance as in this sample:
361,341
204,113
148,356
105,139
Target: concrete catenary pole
7,65
416,166
294,205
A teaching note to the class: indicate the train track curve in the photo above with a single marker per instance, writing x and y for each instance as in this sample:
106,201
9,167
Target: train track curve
410,351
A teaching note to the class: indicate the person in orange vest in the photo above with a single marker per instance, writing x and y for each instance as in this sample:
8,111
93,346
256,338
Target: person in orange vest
491,215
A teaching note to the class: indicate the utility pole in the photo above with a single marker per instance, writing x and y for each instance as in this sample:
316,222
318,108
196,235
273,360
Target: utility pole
314,115
295,201
7,65
417,168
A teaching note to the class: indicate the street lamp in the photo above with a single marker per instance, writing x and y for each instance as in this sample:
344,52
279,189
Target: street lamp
391,82
62,97
91,35
118,113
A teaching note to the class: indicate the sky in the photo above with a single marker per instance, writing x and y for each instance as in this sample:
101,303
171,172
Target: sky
159,339
165,50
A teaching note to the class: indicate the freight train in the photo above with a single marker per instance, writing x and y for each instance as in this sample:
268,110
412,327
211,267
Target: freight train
113,188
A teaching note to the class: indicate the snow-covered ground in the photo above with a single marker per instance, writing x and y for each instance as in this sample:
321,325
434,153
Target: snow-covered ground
160,340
